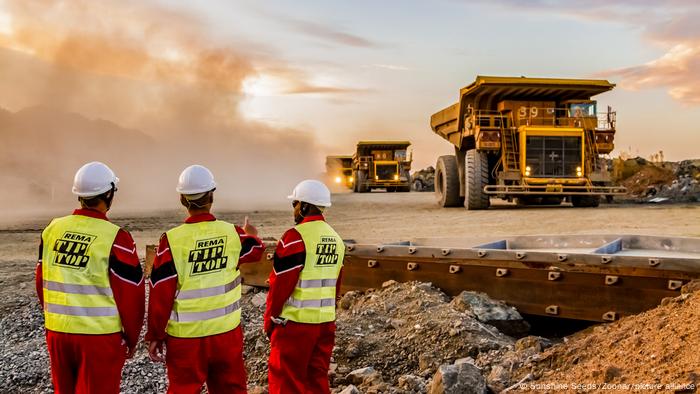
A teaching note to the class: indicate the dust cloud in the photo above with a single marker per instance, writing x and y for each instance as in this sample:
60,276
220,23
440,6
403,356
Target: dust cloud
145,89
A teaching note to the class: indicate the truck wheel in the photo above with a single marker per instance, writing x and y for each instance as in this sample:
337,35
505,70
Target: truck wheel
447,182
403,189
477,174
585,201
361,182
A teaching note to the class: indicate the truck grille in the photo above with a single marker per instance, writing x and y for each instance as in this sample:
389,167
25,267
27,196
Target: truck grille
553,156
386,172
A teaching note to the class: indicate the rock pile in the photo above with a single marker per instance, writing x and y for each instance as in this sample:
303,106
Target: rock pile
400,338
660,182
657,348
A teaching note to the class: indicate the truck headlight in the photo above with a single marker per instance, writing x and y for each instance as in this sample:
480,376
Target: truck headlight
579,173
376,177
351,179
396,177
527,171
338,180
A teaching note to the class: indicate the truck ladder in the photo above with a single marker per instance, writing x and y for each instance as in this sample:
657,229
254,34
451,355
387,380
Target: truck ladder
509,144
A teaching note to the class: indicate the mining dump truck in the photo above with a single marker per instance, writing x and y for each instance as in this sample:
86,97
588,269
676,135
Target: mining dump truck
532,140
382,165
339,170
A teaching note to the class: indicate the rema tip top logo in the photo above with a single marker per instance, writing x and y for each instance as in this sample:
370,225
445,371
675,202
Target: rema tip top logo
71,250
208,256
326,253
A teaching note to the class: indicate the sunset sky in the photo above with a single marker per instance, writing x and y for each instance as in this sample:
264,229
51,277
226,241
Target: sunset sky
340,71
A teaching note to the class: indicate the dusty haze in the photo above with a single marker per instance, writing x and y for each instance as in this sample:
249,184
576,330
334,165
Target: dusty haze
147,91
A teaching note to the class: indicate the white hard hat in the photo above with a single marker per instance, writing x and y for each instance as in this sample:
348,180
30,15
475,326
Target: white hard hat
312,192
195,179
93,179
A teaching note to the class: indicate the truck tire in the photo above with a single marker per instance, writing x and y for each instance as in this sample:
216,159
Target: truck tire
447,182
361,181
477,176
585,201
404,189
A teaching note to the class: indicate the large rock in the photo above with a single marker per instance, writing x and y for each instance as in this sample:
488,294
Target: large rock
350,390
366,375
489,311
462,378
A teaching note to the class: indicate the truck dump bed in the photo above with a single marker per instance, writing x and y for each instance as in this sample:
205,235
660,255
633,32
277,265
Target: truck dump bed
486,92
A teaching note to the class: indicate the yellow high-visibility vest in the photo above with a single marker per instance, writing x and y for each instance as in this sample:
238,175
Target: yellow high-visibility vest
313,300
75,270
208,295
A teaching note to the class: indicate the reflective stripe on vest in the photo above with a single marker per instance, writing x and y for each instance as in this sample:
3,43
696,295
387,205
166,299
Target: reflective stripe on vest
77,289
81,311
205,315
314,283
208,295
313,299
210,291
78,298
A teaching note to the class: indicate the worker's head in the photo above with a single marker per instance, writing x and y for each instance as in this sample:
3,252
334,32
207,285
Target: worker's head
309,197
196,187
95,184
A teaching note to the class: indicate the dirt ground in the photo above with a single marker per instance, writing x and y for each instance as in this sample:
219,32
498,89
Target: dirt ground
373,217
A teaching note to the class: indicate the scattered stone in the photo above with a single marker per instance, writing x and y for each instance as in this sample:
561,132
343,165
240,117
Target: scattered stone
532,342
259,300
693,285
389,283
359,375
489,311
462,378
412,383
465,360
351,389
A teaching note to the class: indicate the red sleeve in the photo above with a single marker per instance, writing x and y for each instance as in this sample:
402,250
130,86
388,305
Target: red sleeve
161,298
288,262
252,248
126,280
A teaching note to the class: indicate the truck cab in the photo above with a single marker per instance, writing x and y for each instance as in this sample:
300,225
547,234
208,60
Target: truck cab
382,164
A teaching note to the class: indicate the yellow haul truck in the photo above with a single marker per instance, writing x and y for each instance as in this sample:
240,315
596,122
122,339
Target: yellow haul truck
534,140
339,170
382,164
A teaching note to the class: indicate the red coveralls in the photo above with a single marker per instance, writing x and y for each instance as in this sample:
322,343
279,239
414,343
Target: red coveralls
300,353
83,363
216,359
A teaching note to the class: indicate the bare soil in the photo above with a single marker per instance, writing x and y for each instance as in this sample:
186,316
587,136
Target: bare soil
375,217
383,217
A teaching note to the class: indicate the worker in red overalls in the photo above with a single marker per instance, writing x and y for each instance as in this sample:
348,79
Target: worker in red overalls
194,309
90,285
304,283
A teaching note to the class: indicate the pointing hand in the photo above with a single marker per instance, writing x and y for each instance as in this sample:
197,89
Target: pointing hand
249,228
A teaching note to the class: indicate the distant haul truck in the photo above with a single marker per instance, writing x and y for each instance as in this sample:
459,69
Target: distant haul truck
382,164
533,140
339,170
